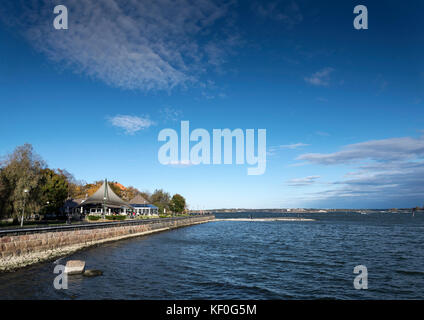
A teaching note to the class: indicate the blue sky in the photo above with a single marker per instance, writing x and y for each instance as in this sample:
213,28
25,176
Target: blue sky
343,108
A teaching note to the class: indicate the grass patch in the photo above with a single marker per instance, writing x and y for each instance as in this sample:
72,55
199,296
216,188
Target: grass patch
114,218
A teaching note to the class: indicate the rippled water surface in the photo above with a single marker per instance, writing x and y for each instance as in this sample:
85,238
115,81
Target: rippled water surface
247,260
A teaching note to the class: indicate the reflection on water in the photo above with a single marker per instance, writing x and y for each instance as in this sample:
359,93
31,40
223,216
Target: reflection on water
247,260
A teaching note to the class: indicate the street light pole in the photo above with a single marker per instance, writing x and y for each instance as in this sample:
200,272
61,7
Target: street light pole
23,209
104,207
105,196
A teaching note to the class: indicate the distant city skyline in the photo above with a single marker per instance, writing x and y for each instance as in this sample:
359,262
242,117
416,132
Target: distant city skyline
343,109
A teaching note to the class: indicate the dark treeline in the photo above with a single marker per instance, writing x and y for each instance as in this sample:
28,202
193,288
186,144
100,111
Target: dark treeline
28,186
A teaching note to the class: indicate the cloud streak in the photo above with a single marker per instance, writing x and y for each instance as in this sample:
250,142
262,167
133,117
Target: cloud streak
320,78
136,45
301,182
293,146
130,124
387,173
379,150
170,114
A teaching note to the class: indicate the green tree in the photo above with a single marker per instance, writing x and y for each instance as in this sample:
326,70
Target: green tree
53,190
161,199
5,191
74,186
178,203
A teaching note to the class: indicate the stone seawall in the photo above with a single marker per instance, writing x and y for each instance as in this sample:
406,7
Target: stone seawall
22,248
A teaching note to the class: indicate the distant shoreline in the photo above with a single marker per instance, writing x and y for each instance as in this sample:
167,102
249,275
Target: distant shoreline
265,219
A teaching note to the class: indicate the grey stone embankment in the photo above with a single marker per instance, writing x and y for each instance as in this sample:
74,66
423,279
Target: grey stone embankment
22,248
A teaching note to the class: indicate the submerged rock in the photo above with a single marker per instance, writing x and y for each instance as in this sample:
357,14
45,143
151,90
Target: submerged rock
92,273
74,267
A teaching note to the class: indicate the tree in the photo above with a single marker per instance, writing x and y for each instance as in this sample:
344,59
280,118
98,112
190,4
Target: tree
25,181
161,199
21,171
129,193
53,190
5,191
146,195
178,203
74,186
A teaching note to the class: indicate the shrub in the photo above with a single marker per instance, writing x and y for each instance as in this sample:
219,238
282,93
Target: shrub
118,217
93,218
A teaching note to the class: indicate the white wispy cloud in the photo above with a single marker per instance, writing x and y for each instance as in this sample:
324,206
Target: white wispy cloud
380,150
171,114
320,78
322,133
321,99
273,149
385,172
396,184
130,124
293,145
130,44
298,164
300,182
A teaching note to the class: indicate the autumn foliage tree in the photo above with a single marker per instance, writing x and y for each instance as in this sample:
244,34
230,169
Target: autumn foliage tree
21,173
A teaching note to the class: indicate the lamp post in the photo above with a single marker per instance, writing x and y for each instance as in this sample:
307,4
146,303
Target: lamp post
104,207
105,196
46,211
23,209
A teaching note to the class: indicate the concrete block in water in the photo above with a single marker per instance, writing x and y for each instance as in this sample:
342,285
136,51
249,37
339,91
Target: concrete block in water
75,267
92,273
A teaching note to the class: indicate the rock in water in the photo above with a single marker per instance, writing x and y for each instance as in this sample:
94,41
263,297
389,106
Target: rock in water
74,267
93,273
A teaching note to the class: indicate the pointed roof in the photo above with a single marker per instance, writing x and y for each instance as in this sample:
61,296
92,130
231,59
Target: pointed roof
138,199
105,195
72,203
